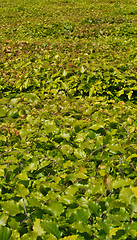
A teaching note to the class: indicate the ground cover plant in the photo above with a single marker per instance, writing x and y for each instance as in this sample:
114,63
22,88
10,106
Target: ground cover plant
68,87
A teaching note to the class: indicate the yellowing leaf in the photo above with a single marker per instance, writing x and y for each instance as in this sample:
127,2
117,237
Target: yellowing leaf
37,228
15,235
82,70
134,190
131,130
132,156
113,231
3,138
1,171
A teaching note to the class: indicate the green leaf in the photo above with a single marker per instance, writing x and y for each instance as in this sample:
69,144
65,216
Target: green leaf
55,208
116,149
21,190
50,126
82,214
67,149
51,227
23,176
4,233
2,112
126,195
94,208
133,225
67,199
31,167
11,207
3,219
82,227
13,223
79,153
120,183
97,126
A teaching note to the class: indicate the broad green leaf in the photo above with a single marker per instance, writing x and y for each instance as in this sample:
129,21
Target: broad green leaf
55,208
23,176
116,149
81,175
67,199
37,227
94,208
3,220
67,164
120,183
5,233
82,214
65,134
50,126
72,189
97,126
31,167
79,153
21,190
126,195
13,223
25,132
11,207
13,113
91,134
82,227
2,112
31,97
67,149
51,227
133,225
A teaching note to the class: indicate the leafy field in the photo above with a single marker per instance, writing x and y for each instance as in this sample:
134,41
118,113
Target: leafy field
68,129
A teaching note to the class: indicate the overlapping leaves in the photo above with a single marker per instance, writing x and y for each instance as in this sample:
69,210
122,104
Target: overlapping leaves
68,121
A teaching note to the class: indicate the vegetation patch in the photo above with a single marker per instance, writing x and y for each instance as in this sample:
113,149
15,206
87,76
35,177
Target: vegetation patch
68,87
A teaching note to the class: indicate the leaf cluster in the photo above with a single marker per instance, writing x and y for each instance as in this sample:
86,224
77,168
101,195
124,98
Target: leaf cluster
68,120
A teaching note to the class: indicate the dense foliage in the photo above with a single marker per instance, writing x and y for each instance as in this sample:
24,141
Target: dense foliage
68,87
